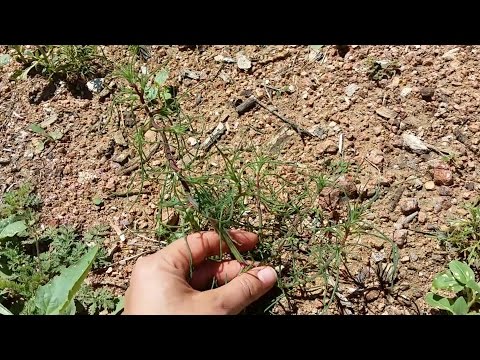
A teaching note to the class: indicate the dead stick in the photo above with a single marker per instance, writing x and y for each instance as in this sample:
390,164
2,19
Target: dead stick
294,126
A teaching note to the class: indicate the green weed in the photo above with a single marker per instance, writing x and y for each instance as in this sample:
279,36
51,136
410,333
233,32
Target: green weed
459,282
31,258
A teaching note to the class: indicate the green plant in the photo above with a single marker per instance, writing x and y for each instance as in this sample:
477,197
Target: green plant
458,280
68,62
30,258
463,236
306,223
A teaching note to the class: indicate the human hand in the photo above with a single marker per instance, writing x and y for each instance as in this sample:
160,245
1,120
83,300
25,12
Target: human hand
159,282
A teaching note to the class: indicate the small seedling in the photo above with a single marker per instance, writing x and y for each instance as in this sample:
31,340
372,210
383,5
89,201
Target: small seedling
463,236
458,280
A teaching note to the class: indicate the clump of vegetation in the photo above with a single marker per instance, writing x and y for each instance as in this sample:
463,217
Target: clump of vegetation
455,290
65,62
381,69
463,236
32,259
306,221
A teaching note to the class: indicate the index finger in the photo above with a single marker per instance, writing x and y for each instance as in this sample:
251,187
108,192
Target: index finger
202,245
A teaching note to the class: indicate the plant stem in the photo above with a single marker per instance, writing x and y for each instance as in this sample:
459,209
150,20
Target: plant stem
183,181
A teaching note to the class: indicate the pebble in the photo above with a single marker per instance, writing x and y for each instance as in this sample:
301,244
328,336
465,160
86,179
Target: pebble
413,143
350,89
386,113
95,85
450,54
408,205
400,237
243,62
422,217
150,136
372,295
442,175
4,161
426,92
405,259
329,147
121,158
346,184
444,191
109,270
192,141
376,157
119,139
429,185
405,91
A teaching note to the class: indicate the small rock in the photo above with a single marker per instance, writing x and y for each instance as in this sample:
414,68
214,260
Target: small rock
86,177
95,85
243,62
119,139
386,113
377,243
376,157
109,270
429,185
405,259
192,141
121,158
329,147
316,130
417,184
405,91
450,54
442,175
422,217
400,237
350,89
414,144
372,295
111,184
225,59
346,184
150,136
377,257
4,161
426,93
444,191
408,205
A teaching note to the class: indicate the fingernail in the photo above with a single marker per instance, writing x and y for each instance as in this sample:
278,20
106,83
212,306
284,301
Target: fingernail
267,276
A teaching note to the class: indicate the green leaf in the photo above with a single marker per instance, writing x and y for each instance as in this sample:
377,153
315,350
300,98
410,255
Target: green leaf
71,309
151,93
4,59
4,310
23,75
460,306
438,302
13,229
56,135
461,271
161,77
37,129
473,285
120,306
446,281
55,297
97,201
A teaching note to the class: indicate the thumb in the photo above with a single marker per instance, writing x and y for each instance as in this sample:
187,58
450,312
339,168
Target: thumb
244,289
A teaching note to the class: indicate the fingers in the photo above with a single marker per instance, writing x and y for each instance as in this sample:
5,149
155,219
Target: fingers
202,245
223,272
243,290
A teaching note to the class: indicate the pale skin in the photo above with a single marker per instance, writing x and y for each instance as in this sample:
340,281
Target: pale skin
160,283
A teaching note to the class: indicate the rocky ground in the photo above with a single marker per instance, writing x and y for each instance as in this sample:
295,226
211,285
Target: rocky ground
414,132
